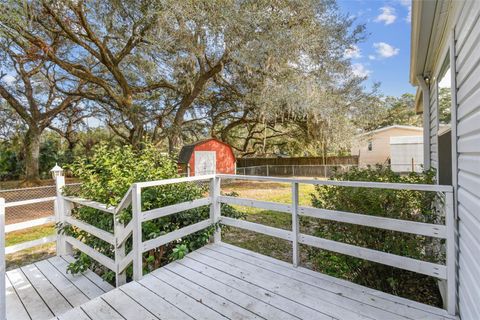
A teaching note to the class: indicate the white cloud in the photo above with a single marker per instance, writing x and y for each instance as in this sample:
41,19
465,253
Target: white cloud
408,5
353,52
409,15
360,70
385,50
371,57
387,15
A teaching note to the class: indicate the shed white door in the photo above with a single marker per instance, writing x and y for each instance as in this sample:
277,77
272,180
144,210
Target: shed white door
204,162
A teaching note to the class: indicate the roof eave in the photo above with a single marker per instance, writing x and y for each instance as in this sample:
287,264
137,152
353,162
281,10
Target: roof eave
423,13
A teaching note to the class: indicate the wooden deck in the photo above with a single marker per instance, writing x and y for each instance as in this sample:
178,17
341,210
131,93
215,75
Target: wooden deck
221,281
44,290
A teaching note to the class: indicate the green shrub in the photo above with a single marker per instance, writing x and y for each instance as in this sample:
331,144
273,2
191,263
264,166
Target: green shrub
397,204
106,177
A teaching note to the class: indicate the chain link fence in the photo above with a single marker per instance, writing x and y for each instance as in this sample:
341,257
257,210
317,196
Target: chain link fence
30,211
320,171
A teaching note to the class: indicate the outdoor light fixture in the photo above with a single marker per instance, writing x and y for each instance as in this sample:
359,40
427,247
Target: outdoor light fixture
56,171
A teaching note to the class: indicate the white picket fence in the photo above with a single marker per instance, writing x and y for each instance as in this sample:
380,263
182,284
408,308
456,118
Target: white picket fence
122,259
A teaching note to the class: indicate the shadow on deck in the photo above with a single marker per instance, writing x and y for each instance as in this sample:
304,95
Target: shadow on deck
220,281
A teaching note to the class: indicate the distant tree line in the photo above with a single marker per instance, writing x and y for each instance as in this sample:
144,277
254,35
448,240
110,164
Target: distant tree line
265,77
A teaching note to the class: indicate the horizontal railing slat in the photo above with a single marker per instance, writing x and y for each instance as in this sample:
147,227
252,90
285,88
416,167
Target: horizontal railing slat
172,181
125,262
174,235
423,267
125,202
30,201
425,229
256,227
126,232
356,184
92,253
91,204
29,224
97,232
30,244
168,210
267,205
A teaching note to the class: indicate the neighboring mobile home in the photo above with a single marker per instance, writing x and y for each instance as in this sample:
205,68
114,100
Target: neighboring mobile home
374,147
445,65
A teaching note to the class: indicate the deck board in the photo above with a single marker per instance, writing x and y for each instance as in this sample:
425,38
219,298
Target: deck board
275,300
156,305
372,304
193,307
90,289
288,288
44,290
381,299
230,302
218,281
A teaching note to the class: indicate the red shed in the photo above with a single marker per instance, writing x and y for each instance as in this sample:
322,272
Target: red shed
206,157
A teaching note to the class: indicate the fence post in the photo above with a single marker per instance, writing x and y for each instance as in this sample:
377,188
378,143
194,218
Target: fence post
62,209
137,232
268,174
215,208
3,302
295,225
451,223
118,227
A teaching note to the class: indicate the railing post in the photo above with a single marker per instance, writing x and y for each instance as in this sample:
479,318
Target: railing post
118,227
295,225
3,302
215,209
137,232
451,223
62,210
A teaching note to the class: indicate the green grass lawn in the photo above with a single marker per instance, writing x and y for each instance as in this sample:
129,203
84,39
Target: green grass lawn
275,192
27,256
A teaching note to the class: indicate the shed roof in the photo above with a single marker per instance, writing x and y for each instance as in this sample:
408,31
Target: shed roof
187,150
413,128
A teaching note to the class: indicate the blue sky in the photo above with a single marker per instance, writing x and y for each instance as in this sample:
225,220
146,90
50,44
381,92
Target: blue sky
385,55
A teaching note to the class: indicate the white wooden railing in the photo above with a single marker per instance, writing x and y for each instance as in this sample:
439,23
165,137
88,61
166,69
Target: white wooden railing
5,229
214,199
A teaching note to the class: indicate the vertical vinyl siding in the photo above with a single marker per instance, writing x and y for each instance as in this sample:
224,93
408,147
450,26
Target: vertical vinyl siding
467,51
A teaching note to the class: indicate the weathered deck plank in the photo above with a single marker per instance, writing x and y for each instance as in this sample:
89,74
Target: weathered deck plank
44,290
357,295
218,281
403,306
153,302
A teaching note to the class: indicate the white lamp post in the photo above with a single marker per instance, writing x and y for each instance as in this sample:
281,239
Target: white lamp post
56,171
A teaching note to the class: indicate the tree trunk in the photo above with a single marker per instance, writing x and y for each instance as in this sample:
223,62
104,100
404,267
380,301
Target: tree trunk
32,155
175,140
136,134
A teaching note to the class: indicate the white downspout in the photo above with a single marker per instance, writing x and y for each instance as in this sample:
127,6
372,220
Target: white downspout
426,121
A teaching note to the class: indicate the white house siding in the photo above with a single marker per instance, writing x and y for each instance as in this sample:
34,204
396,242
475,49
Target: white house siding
433,126
467,51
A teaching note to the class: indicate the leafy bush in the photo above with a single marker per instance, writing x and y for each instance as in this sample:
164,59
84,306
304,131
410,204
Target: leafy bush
107,176
397,204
